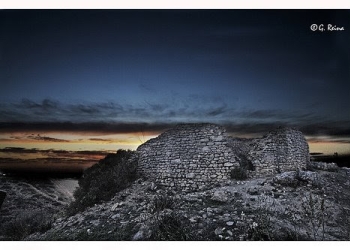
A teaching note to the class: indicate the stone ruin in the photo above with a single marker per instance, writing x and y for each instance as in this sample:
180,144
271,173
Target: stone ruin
189,156
281,150
195,156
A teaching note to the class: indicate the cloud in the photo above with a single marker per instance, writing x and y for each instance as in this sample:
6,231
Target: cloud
154,117
17,157
45,138
147,111
19,150
217,110
100,140
330,139
51,110
43,165
97,128
325,128
50,152
317,129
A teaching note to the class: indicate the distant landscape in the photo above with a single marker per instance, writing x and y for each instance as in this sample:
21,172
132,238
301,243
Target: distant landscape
340,160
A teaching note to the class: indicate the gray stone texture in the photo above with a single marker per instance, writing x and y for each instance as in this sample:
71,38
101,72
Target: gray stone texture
281,150
187,157
194,156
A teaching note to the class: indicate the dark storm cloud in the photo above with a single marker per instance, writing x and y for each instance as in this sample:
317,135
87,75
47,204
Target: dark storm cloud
280,116
51,110
54,110
113,118
320,129
336,131
45,105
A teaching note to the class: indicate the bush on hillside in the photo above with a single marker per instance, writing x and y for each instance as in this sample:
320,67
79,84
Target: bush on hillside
239,173
24,224
104,179
172,227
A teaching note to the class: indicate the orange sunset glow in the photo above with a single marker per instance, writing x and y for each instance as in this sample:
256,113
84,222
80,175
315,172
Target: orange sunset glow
75,152
62,151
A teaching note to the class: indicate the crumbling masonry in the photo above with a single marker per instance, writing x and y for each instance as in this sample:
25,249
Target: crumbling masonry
193,156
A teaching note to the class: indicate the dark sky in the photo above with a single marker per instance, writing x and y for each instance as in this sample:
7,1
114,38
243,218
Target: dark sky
118,71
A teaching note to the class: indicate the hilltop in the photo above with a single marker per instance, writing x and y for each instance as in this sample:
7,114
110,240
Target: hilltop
194,182
256,209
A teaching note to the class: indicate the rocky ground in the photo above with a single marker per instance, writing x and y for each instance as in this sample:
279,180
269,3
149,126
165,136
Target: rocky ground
304,205
29,199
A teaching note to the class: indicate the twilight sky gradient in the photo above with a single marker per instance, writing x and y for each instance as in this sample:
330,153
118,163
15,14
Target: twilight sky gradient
78,83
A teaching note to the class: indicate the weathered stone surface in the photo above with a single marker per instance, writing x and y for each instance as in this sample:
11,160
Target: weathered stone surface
218,231
293,178
324,166
286,178
143,233
188,156
308,176
195,211
229,223
281,150
220,196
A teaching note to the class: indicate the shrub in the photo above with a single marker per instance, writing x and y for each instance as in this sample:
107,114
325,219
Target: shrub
161,202
315,216
309,218
261,230
172,227
261,227
245,163
104,179
27,223
239,173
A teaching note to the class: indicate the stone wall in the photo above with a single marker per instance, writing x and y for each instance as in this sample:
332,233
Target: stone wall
194,156
281,150
187,157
